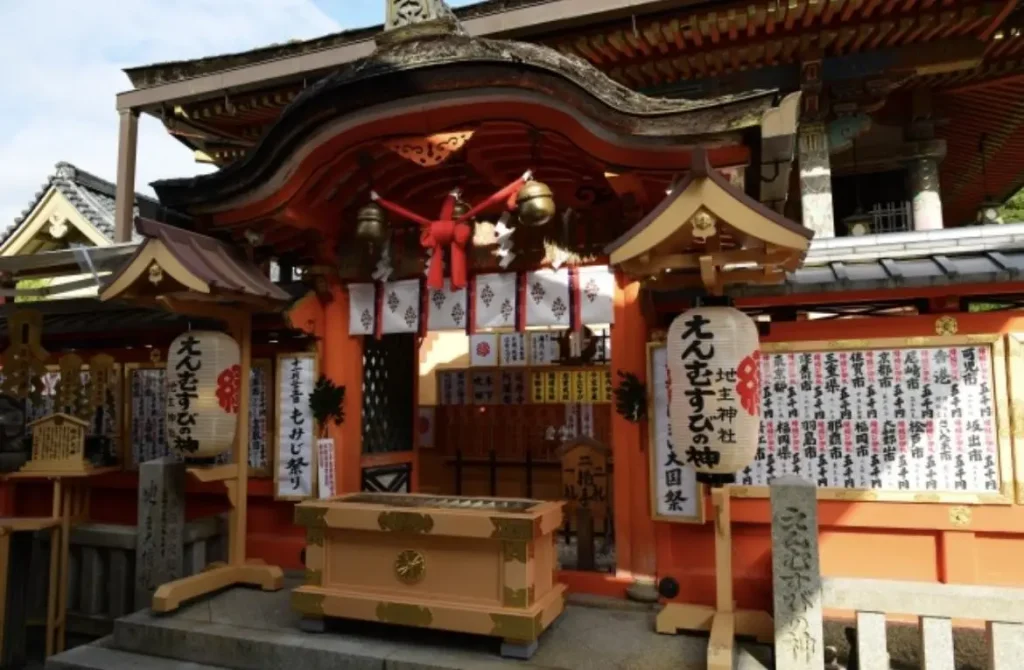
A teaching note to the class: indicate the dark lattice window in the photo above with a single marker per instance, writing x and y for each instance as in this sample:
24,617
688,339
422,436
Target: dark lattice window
389,366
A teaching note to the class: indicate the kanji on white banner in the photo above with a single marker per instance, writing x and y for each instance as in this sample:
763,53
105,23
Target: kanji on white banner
400,308
495,302
513,349
547,298
446,308
362,309
597,295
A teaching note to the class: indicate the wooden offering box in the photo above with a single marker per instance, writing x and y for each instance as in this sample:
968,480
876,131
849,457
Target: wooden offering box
473,565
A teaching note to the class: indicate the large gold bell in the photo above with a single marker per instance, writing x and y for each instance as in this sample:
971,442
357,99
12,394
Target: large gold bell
536,204
371,224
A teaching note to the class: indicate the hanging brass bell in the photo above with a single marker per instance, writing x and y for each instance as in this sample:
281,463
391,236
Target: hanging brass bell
536,203
461,208
371,224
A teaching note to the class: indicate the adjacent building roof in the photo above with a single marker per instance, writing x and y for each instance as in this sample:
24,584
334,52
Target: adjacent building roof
981,254
92,196
198,263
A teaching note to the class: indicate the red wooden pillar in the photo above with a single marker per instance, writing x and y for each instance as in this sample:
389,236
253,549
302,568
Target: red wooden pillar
342,362
634,529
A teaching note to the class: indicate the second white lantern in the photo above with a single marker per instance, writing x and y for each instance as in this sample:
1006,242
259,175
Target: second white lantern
715,388
203,390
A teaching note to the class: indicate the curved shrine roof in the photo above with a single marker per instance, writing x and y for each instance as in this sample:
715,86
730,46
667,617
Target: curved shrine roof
411,70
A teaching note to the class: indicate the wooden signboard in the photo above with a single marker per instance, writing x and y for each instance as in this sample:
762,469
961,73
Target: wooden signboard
58,445
585,478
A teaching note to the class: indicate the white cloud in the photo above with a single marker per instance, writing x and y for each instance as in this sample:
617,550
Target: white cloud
62,62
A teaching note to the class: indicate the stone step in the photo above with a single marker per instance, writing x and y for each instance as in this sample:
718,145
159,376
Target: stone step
101,655
352,645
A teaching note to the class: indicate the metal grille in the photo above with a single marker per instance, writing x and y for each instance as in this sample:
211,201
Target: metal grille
388,368
892,217
385,479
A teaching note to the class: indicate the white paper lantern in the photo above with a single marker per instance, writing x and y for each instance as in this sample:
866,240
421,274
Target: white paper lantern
714,388
204,380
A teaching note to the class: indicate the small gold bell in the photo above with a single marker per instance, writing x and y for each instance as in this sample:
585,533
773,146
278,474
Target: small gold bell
460,209
371,224
536,203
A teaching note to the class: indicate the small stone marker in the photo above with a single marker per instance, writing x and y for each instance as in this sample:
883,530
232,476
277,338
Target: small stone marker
796,576
159,553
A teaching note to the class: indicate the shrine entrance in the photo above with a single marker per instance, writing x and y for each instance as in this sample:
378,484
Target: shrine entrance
388,413
464,197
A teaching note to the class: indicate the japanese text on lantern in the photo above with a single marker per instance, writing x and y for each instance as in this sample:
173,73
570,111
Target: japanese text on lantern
700,348
296,432
189,362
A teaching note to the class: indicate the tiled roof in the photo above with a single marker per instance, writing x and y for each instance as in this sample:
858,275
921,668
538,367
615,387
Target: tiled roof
91,196
967,255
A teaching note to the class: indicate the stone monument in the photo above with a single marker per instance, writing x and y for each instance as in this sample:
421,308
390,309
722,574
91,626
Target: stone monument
159,551
796,575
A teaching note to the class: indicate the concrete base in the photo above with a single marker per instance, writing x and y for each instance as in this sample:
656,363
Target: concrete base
310,625
252,630
523,651
102,655
643,592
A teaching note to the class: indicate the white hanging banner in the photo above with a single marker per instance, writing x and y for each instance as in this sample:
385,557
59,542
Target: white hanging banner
483,350
513,349
362,309
296,433
446,308
400,308
325,468
547,298
597,295
495,301
587,420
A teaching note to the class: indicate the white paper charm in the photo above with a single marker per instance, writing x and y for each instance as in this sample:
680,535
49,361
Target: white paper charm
495,303
325,468
597,295
513,349
483,349
362,309
547,298
543,348
425,429
446,308
400,308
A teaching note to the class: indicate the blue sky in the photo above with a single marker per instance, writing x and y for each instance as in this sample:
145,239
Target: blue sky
62,70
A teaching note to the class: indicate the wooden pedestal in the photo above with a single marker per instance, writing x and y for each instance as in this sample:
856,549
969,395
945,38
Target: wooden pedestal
472,565
723,622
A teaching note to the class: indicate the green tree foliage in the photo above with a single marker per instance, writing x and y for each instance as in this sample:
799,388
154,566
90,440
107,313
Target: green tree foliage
1013,210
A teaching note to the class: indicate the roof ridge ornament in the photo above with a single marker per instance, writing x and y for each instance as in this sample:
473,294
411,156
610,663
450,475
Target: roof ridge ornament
409,20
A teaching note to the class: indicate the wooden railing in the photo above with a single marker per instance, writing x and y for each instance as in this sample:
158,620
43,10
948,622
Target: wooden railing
101,571
935,605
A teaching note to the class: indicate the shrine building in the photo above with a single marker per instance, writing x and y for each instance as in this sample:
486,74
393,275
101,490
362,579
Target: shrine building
481,223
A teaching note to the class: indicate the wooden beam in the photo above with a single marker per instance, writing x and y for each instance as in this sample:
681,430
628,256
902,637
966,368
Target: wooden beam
656,264
997,20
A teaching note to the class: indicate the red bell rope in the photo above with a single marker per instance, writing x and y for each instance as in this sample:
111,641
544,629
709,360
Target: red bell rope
452,233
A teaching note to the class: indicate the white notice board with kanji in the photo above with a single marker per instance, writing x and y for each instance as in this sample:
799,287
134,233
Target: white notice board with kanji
912,419
675,493
295,469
